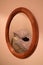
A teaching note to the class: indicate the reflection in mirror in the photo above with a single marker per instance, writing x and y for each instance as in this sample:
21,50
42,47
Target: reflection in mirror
20,33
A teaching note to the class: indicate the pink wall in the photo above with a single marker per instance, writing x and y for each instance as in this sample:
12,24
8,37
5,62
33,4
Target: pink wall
6,7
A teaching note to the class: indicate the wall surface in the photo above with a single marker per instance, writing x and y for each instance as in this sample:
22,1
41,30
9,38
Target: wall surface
6,7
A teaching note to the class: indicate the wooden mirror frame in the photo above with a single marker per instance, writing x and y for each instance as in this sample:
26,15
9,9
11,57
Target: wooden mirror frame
35,32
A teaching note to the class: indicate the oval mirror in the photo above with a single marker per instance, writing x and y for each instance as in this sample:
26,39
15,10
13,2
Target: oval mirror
21,33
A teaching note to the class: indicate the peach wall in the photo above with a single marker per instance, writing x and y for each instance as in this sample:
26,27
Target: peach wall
6,7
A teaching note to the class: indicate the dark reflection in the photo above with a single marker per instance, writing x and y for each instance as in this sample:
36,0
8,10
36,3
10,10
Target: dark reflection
25,39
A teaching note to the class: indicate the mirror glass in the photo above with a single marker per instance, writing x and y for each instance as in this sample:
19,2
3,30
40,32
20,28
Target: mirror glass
20,33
